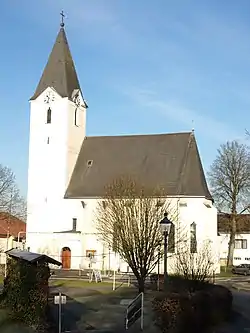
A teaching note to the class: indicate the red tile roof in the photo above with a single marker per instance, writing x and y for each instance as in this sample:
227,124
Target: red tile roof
11,223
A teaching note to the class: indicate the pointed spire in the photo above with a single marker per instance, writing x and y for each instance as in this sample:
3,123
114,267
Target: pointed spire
60,72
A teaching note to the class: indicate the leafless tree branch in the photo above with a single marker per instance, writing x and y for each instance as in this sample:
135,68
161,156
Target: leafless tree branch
128,219
10,199
197,266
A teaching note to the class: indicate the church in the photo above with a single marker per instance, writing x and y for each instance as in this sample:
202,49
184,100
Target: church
68,171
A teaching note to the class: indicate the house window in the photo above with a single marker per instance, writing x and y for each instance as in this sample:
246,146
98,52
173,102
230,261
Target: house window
49,116
237,258
240,244
48,140
193,240
74,220
247,259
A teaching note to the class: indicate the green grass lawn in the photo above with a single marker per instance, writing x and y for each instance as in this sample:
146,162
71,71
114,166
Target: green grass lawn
225,272
81,283
74,283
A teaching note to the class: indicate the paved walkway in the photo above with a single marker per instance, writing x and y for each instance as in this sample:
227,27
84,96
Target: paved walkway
100,310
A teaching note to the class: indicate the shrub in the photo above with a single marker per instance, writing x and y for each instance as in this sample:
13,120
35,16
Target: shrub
177,283
25,292
192,312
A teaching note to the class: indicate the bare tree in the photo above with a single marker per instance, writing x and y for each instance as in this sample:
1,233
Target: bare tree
10,199
230,183
197,266
128,219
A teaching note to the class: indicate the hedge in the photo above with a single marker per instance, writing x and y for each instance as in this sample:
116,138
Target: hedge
185,311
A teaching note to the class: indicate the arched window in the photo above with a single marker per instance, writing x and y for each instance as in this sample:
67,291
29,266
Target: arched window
171,239
193,240
49,116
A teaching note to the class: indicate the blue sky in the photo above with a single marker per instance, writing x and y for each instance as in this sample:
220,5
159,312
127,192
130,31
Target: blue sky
145,66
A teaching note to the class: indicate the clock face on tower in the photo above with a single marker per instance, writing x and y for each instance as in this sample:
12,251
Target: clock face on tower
77,100
49,97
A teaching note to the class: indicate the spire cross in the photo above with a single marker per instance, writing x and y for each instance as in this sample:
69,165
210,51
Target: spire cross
62,21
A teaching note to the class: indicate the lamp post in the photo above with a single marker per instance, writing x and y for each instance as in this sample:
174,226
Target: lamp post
165,226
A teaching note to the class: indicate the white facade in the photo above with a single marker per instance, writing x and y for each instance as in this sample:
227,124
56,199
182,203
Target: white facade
241,251
87,240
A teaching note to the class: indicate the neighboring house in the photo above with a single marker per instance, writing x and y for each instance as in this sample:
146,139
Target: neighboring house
242,238
12,229
69,170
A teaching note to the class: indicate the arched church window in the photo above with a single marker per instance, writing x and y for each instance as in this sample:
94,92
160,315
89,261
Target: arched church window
49,116
193,240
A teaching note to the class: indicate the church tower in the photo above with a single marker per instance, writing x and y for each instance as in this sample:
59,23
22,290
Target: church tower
57,130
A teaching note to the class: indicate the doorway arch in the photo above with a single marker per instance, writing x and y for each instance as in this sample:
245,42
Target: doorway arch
66,258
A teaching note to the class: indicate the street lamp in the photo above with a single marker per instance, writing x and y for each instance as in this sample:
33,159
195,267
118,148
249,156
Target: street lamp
165,226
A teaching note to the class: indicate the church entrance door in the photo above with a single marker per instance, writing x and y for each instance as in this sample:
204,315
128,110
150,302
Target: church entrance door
66,258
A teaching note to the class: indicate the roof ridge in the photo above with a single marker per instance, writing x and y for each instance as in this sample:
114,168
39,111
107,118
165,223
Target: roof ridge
135,135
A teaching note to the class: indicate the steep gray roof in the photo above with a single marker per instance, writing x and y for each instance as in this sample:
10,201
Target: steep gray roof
170,161
60,72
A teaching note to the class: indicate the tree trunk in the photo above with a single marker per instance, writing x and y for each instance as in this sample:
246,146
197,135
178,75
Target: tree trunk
231,243
141,284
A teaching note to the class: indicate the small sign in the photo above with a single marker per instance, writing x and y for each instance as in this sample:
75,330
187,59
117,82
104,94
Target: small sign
98,277
57,300
135,311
